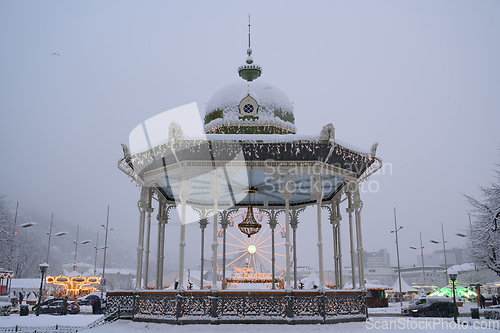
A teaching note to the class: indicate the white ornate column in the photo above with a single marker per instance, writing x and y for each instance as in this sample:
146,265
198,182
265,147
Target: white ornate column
294,221
337,243
349,210
224,221
183,196
317,194
334,215
142,205
358,205
161,235
272,215
162,217
149,210
215,193
286,193
203,224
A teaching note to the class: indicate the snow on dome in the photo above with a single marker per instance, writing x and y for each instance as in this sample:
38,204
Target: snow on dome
274,107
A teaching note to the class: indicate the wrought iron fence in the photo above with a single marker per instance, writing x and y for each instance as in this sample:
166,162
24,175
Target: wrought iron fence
239,306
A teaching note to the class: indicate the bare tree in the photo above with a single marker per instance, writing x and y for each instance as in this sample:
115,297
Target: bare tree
484,240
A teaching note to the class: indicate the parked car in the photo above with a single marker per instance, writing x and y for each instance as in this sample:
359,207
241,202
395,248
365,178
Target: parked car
54,306
411,303
432,307
12,300
88,299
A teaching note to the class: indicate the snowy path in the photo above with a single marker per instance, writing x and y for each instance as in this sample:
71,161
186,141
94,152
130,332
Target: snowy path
395,324
47,320
403,324
377,324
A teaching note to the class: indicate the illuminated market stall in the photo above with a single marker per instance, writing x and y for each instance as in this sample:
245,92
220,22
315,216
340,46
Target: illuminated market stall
5,279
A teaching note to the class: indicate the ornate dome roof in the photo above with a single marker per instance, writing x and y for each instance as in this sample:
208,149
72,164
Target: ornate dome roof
246,107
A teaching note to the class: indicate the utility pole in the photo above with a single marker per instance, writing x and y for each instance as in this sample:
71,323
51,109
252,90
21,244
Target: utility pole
422,254
395,231
96,251
471,238
444,251
105,248
50,235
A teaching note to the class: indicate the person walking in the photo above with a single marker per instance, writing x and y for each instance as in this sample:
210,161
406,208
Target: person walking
98,309
482,301
94,303
64,306
21,298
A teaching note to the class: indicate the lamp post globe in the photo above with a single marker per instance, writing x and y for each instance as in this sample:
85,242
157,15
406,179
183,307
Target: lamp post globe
43,270
453,277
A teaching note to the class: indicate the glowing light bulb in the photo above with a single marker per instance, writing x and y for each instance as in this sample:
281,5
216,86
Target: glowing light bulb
251,249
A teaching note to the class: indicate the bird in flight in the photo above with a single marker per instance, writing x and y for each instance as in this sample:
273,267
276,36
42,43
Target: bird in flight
57,54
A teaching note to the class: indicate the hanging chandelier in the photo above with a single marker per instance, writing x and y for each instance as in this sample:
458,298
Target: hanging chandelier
249,226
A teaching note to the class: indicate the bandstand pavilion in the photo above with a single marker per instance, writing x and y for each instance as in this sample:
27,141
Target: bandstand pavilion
245,158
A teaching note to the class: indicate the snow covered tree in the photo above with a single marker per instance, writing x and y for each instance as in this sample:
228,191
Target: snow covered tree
30,252
484,240
6,235
20,250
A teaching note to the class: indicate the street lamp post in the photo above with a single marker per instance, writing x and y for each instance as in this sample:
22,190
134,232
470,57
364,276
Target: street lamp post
471,238
421,254
43,269
76,244
395,231
105,248
453,278
50,234
444,252
96,252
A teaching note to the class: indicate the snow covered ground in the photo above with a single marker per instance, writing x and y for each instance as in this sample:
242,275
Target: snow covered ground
404,324
396,325
47,320
389,322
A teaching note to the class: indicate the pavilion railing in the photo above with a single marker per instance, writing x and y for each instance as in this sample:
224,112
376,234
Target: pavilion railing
235,306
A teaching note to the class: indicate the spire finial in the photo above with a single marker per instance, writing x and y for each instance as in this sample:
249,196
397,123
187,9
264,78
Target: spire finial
250,71
249,31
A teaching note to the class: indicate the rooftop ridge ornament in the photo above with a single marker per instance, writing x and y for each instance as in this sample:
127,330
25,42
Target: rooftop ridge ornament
250,71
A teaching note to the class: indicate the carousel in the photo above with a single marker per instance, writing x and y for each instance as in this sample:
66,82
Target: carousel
73,285
244,170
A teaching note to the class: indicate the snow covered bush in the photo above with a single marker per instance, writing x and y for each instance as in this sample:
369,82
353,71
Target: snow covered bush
492,314
5,308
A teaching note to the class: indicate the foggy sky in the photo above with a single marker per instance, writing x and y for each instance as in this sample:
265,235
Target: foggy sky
421,78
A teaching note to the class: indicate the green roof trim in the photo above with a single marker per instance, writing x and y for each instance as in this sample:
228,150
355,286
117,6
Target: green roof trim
268,129
214,115
285,115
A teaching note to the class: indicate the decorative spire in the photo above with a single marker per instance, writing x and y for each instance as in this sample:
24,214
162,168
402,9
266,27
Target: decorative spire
249,71
248,31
